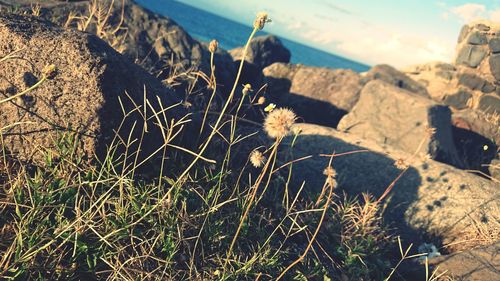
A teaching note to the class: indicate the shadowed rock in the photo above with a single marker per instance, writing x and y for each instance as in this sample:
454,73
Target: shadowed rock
93,84
158,43
478,264
394,77
318,95
401,119
430,199
263,51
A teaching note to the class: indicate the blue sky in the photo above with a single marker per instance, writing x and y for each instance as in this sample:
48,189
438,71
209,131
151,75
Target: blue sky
400,33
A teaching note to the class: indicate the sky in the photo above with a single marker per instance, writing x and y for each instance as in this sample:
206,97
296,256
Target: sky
398,32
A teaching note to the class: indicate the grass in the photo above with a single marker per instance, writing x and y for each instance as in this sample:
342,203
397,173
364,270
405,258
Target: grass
198,216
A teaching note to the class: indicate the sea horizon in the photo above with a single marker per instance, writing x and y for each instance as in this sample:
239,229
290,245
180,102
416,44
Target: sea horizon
216,27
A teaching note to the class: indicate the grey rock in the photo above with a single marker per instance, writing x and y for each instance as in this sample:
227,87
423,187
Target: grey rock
82,97
477,264
156,42
477,38
489,104
263,51
494,169
488,88
318,95
495,45
463,33
458,99
482,27
448,75
471,56
392,116
495,66
395,77
430,198
471,81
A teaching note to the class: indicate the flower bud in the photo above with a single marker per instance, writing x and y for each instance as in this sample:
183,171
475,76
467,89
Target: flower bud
261,20
261,100
49,71
212,47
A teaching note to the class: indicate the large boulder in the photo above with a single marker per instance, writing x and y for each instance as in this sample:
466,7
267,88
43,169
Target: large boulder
90,88
477,264
263,51
394,77
395,117
430,202
156,42
319,95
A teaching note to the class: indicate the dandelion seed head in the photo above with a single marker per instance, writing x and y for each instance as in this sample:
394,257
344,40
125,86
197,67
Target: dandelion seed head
279,122
257,158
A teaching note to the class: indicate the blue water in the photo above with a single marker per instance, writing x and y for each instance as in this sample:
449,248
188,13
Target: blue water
205,26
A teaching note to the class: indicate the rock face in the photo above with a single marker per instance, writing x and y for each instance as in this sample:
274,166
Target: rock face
474,82
394,77
156,42
398,118
477,264
431,202
263,51
319,95
90,87
478,43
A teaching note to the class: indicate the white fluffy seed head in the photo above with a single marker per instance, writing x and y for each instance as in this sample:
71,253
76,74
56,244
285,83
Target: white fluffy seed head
279,122
257,158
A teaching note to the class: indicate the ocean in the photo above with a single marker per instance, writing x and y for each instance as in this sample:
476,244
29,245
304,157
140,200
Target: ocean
206,26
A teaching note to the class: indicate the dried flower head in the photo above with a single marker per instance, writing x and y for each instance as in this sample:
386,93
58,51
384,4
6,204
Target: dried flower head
279,123
430,131
401,164
261,100
247,88
425,156
49,71
212,47
330,174
261,20
257,158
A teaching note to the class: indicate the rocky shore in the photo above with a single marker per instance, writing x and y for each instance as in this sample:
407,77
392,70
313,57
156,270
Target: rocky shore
441,118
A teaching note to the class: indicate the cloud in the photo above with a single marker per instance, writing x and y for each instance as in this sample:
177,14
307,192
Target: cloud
379,45
318,36
469,12
326,18
338,8
495,15
296,25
